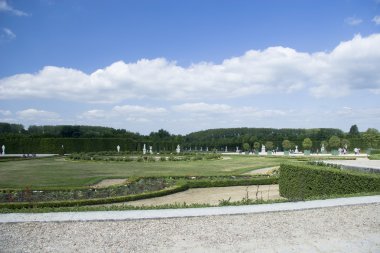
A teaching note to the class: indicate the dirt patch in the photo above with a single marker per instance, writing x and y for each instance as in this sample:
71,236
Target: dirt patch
109,182
263,171
213,195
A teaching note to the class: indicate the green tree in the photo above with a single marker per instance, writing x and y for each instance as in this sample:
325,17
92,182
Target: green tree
334,142
371,138
257,145
354,131
325,144
344,143
307,144
286,144
246,146
269,145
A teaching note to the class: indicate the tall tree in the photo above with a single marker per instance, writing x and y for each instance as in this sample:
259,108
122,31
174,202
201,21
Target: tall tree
354,131
307,143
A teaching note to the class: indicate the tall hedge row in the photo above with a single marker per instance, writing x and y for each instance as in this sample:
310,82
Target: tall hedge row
32,145
70,145
300,181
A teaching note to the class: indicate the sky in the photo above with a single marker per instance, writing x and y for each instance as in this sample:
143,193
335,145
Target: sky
186,66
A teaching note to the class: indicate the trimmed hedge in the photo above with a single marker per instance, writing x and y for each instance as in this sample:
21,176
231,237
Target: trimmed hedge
301,181
203,183
99,201
229,182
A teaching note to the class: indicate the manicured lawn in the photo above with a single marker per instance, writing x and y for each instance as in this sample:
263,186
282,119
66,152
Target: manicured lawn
61,172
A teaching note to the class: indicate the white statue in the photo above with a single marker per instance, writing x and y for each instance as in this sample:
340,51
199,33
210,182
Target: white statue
178,149
206,149
225,150
323,148
296,151
151,150
262,148
237,149
144,150
118,148
3,148
201,149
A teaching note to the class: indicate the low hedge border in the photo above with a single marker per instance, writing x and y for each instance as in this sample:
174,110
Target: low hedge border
182,187
99,201
302,181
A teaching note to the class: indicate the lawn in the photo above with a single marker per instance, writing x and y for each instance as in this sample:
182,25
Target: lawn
60,172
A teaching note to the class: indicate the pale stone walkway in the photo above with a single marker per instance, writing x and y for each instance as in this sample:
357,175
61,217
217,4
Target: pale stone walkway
352,228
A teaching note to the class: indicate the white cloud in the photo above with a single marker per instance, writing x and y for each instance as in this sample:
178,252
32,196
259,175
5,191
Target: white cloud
202,107
5,7
353,21
5,112
34,114
352,65
376,20
135,109
7,34
134,113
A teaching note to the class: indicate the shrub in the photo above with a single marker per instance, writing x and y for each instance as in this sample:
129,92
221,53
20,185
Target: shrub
300,181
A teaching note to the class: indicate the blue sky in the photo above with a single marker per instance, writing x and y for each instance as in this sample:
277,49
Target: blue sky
190,65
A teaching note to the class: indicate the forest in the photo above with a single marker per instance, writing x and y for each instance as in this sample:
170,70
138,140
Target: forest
75,138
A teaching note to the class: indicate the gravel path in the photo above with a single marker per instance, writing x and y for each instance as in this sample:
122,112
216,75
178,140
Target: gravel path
262,171
334,229
363,163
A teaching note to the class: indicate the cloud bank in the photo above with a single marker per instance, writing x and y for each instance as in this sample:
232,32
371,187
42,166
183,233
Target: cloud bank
352,65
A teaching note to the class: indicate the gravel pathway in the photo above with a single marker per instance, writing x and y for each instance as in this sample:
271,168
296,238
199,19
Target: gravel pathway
360,163
333,229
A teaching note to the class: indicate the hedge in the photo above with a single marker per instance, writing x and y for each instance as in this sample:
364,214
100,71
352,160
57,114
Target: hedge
301,181
99,201
182,187
229,182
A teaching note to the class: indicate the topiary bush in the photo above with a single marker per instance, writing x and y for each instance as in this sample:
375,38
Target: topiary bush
300,181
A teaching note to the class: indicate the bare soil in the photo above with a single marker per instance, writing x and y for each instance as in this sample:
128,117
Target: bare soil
262,171
109,182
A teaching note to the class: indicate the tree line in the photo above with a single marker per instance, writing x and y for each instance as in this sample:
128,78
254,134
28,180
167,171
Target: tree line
97,138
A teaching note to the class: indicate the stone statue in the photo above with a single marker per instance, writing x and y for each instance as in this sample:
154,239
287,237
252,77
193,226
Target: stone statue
151,150
225,150
296,151
118,148
178,149
144,150
237,149
262,148
3,148
206,149
323,148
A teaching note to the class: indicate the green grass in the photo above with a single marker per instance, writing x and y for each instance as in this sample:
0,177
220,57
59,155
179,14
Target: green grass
58,172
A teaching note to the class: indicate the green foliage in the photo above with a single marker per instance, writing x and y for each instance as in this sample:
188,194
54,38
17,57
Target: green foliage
269,145
344,143
286,145
334,142
98,201
257,145
354,131
300,181
183,184
371,138
246,146
307,144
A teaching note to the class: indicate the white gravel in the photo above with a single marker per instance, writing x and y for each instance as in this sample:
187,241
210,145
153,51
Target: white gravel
333,229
